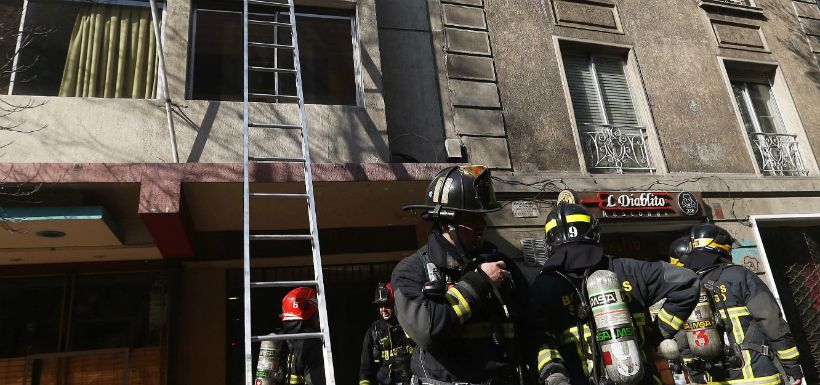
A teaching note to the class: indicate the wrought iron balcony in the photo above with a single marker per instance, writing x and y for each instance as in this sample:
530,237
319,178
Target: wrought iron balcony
737,2
777,154
615,149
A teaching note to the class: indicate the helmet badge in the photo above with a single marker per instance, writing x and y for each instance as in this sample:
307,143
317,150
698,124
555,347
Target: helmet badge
567,196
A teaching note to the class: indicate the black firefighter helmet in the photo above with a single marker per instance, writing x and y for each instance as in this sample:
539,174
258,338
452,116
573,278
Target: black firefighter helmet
458,189
569,222
706,236
678,249
384,294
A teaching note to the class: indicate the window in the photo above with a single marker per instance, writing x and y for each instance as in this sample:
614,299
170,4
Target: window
86,48
10,11
612,139
326,47
775,150
92,328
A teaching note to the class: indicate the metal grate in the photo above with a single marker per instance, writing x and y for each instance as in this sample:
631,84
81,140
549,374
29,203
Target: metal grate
535,251
777,154
804,282
618,149
737,2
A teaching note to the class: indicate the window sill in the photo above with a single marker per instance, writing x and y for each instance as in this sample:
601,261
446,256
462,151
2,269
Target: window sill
717,5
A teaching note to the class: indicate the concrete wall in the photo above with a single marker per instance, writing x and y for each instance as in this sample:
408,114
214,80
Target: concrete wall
690,104
109,130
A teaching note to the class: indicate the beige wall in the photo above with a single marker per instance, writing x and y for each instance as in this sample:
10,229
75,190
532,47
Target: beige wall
108,130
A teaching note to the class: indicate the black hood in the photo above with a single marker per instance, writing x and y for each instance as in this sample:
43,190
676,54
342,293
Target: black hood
574,258
293,327
700,259
445,255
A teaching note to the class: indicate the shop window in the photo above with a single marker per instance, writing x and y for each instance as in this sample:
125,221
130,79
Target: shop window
775,149
612,138
326,44
31,318
86,49
82,329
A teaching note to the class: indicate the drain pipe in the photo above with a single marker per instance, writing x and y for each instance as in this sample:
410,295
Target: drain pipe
166,94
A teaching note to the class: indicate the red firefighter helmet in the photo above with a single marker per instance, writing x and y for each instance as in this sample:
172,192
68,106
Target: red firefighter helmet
299,304
384,294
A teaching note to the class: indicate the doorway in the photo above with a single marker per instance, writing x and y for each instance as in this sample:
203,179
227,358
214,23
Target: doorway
350,290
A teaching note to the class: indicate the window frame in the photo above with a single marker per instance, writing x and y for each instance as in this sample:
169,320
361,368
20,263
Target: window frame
599,92
162,7
354,29
637,90
786,110
777,118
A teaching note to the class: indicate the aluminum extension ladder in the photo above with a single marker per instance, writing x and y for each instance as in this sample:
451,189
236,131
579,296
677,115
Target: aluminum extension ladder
278,7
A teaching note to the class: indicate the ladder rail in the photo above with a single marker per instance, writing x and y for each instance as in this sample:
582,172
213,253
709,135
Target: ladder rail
313,236
246,251
324,325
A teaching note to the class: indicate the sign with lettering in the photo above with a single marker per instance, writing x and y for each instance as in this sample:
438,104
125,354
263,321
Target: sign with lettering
643,204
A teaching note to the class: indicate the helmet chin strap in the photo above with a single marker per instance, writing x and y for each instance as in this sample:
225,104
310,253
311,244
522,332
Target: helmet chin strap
454,234
458,243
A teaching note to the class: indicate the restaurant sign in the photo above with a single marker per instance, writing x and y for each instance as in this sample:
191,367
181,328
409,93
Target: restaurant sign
642,204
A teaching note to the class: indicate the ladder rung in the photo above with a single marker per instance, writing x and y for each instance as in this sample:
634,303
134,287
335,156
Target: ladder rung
269,45
276,159
272,96
275,125
284,284
268,3
265,22
279,195
272,69
285,337
281,237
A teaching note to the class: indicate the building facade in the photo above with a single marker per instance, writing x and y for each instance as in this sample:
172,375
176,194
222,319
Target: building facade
118,265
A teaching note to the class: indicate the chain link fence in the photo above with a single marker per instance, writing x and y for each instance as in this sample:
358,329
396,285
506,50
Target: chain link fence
804,282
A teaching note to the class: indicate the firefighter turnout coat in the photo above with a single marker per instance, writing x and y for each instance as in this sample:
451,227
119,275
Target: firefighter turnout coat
305,362
753,323
643,283
385,344
464,335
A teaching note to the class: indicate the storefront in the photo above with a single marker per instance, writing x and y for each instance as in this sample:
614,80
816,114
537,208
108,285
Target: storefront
790,252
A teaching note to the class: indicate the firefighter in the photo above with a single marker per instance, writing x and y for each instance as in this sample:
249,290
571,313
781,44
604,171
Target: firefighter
300,314
562,289
386,349
458,298
748,315
678,249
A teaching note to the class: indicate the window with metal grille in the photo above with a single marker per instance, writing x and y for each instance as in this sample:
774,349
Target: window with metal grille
612,138
775,150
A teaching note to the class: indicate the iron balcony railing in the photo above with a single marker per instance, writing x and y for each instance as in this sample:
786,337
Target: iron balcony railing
615,149
737,2
777,154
